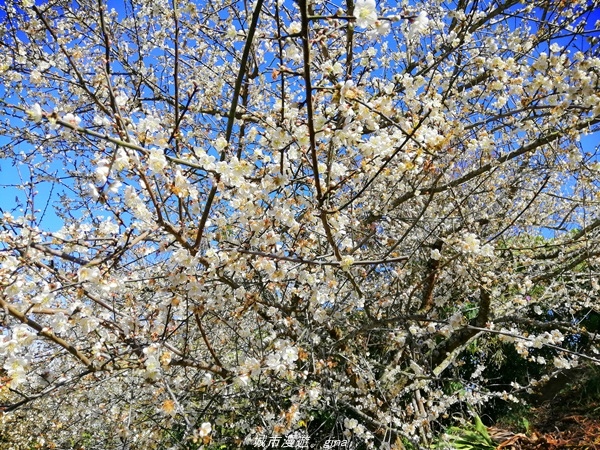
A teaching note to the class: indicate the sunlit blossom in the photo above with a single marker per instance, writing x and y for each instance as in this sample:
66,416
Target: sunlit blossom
72,119
365,12
157,161
419,24
193,236
35,113
205,429
87,273
470,243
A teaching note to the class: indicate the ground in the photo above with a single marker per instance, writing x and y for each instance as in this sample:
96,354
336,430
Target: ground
570,420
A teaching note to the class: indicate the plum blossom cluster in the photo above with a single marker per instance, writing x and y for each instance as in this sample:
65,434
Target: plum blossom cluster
233,223
282,360
14,351
471,244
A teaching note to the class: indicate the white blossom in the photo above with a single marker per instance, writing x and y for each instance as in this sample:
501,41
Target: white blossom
157,161
205,429
419,24
87,273
470,243
72,119
365,12
35,113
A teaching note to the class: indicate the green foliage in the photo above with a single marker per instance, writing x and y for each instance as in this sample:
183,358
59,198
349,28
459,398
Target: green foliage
407,444
471,437
515,417
584,390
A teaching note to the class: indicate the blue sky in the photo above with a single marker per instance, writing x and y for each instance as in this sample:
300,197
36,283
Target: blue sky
14,178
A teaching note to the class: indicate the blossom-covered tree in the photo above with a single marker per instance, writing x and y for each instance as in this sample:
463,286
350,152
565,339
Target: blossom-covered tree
290,217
